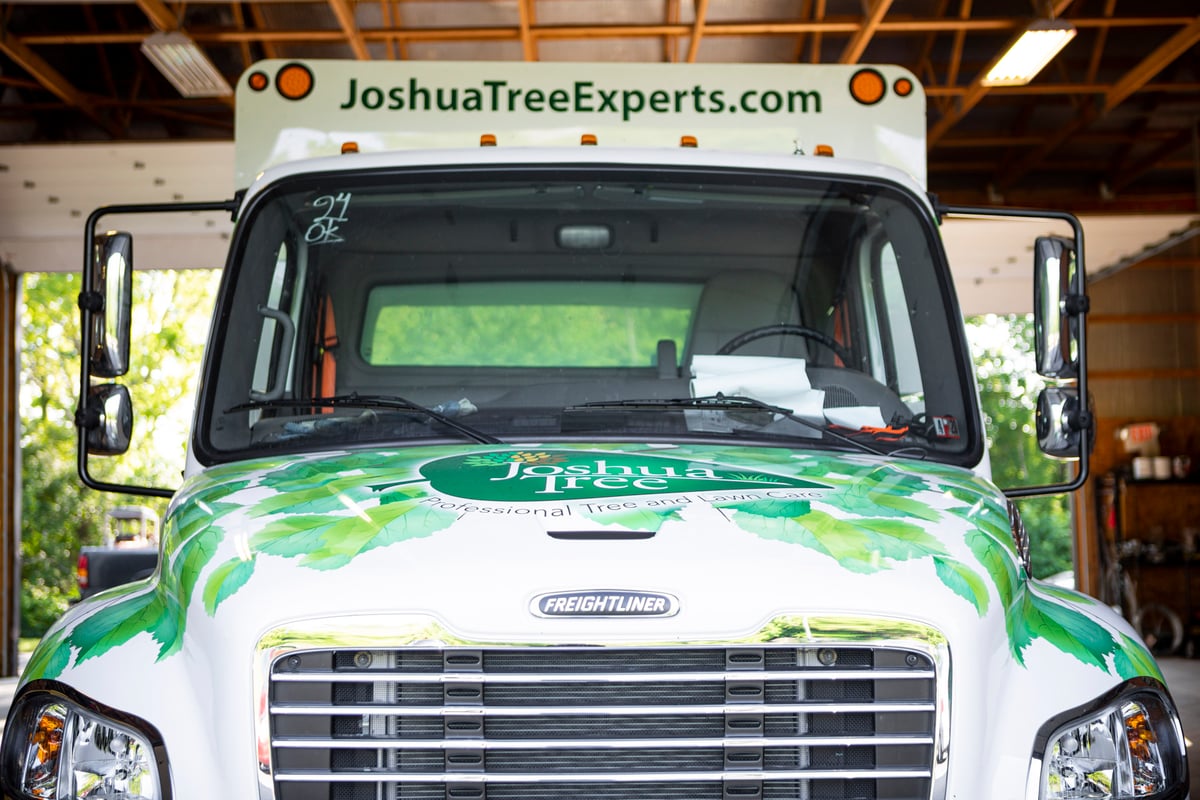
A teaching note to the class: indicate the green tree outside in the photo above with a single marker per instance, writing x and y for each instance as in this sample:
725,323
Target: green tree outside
58,515
1002,349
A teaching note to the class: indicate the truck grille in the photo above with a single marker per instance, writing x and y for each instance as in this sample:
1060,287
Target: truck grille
776,722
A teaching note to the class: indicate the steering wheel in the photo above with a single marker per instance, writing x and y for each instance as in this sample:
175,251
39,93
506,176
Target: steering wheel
785,329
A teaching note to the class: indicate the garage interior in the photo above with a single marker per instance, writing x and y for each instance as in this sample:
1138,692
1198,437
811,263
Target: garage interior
1110,131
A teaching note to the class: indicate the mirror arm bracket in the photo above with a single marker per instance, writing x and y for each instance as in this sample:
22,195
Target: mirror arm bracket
87,417
91,301
1077,304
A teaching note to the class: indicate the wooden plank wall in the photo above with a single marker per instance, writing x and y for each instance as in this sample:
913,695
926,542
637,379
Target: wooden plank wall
1144,365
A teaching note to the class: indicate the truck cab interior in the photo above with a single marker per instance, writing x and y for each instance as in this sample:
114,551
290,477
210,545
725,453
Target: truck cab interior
549,305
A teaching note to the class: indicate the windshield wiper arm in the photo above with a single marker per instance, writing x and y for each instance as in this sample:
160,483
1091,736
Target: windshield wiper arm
728,402
355,400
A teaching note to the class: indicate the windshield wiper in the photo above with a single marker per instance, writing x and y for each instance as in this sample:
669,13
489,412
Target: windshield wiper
736,402
373,401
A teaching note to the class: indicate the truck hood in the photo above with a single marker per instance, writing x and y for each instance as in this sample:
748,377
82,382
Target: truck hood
585,544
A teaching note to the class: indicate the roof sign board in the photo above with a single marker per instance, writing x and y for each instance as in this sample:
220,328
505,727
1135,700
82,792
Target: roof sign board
288,110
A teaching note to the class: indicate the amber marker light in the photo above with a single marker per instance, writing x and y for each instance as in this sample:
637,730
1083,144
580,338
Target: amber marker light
867,86
294,81
903,87
258,81
349,147
487,140
46,739
823,150
688,141
588,138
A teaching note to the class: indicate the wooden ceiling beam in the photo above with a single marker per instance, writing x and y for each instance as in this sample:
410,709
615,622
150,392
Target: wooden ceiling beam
53,81
817,36
1052,89
1151,65
862,37
161,17
1152,160
528,18
344,12
805,12
765,28
697,31
1110,8
960,40
401,45
1133,80
671,43
239,19
260,24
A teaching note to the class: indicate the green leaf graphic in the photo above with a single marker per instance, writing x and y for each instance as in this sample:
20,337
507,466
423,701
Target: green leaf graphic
154,612
998,562
1132,659
50,658
329,542
859,545
191,559
638,519
225,581
963,582
768,509
1070,631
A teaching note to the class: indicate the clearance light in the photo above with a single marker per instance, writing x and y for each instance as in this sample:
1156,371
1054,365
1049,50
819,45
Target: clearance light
1032,51
349,147
688,141
589,139
823,150
487,140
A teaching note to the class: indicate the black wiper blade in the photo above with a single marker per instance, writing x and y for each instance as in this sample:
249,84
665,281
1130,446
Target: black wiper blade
717,401
721,401
355,400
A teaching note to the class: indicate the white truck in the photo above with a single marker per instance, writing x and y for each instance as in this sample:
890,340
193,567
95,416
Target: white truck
588,432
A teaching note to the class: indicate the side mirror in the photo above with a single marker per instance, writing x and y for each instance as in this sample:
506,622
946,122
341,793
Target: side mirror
1057,306
107,303
109,425
1062,422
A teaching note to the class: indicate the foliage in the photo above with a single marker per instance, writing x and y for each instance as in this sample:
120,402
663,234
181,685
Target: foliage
1002,347
58,515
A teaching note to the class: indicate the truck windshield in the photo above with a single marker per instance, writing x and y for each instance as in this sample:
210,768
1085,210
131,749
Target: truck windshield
586,304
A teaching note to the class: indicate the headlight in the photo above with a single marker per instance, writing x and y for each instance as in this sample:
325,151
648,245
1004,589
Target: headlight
57,748
1131,747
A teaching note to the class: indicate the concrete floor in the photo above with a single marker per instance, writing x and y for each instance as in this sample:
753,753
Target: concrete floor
1183,679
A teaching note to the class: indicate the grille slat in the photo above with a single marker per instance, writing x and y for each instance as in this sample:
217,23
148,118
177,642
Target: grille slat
377,775
467,744
548,678
415,711
774,722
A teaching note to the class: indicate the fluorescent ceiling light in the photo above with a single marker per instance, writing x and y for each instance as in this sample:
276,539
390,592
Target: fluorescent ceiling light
185,65
1040,42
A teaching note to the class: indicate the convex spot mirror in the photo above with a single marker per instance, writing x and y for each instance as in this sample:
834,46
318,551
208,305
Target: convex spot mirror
1057,307
1061,423
107,303
111,424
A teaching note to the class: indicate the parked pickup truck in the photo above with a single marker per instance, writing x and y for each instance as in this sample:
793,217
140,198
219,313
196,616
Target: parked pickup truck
129,552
